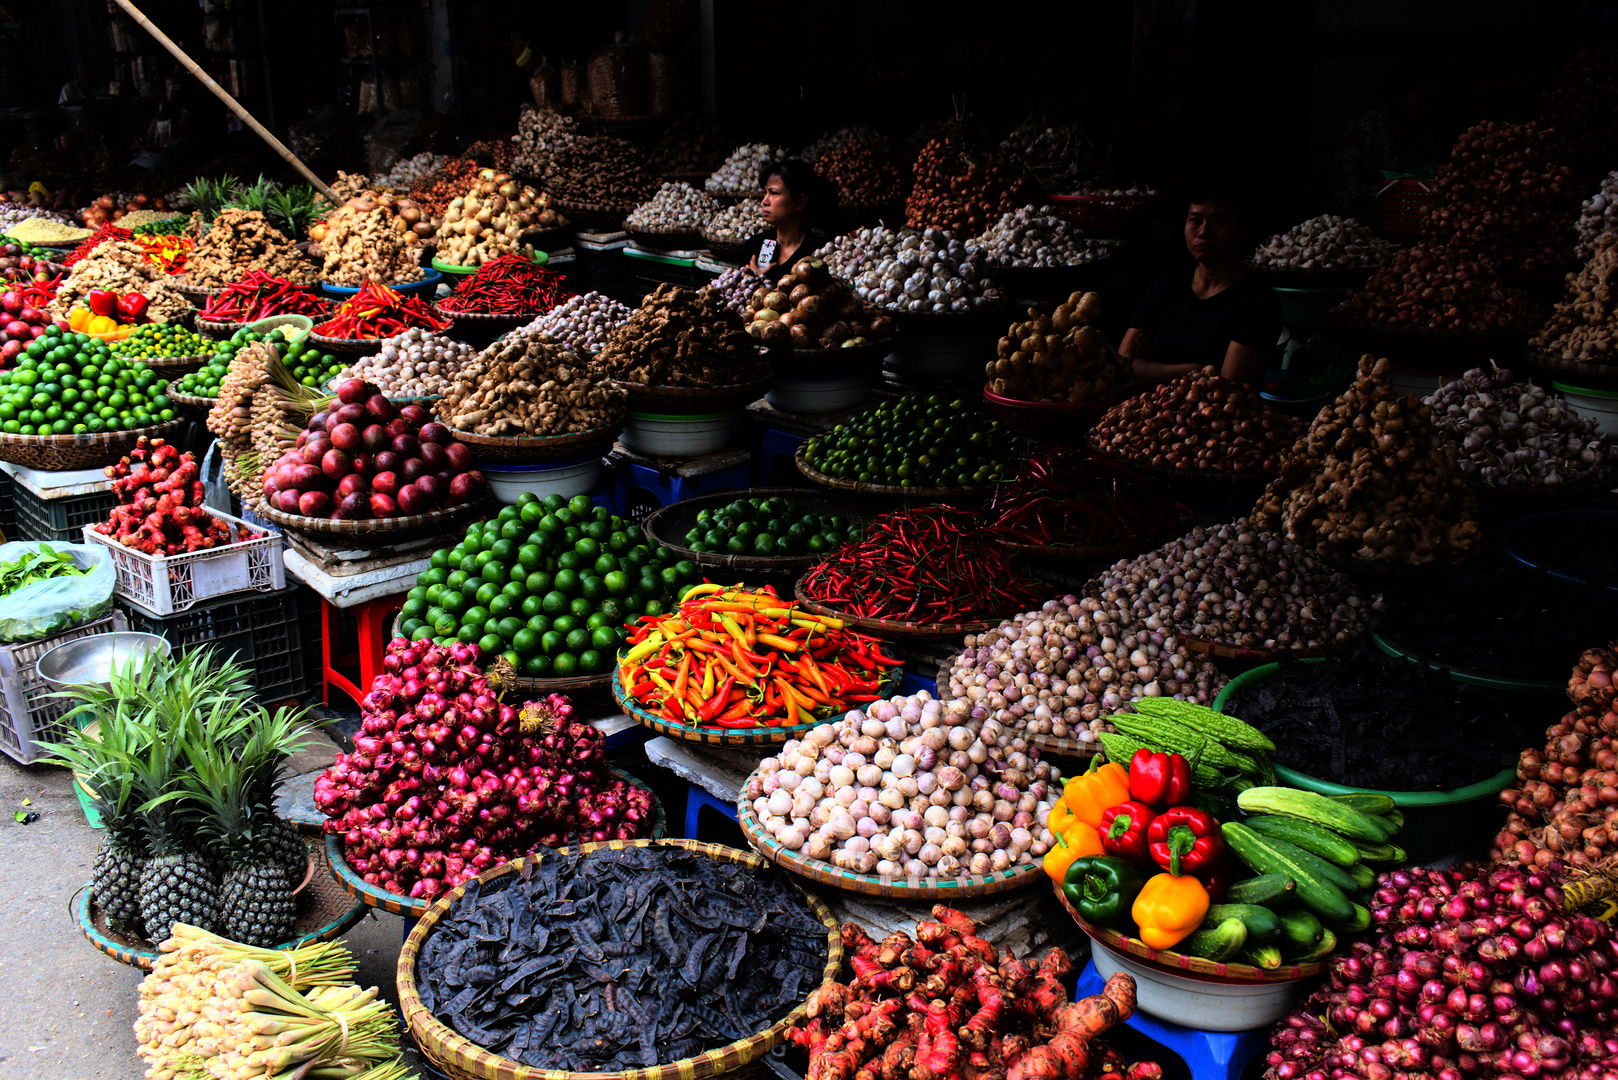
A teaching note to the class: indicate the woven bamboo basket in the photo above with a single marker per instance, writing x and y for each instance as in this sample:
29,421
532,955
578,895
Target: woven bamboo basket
1297,277
191,401
668,526
1118,549
192,292
488,320
463,1060
325,912
682,400
1592,373
374,896
725,251
716,736
905,890
357,346
89,451
895,629
523,450
172,366
594,216
436,521
907,494
1252,654
218,328
733,196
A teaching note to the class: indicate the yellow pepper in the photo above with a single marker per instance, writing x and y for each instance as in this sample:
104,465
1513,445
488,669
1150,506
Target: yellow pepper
103,324
1093,793
1060,819
78,318
1168,909
1077,842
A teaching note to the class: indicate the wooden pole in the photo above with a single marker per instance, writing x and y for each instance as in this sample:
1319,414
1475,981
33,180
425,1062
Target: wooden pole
230,102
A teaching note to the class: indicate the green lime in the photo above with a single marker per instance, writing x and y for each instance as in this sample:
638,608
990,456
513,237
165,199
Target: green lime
596,621
513,591
537,666
501,606
606,563
594,588
567,582
553,502
563,623
565,516
619,542
580,606
654,607
532,605
604,638
473,542
509,627
637,555
408,626
490,644
452,602
566,665
578,640
478,615
439,559
687,570
763,544
555,603
539,624
470,564
421,633
550,525
598,531
738,545
530,558
570,560
486,592
513,530
581,505
613,611
413,610
468,634
593,662
435,576
532,512
446,625
525,641
433,593
588,548
494,572
551,642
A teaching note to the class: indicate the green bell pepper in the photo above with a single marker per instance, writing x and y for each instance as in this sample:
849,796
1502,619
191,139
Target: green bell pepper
1102,889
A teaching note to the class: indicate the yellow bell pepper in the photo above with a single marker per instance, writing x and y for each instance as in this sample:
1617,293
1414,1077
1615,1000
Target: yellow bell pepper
78,318
1093,793
1060,819
1168,909
1077,842
102,324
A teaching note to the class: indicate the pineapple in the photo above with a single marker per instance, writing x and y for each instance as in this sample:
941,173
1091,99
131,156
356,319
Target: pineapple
104,767
274,736
256,906
176,884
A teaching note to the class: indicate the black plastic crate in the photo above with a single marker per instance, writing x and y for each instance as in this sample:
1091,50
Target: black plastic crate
8,507
261,631
59,520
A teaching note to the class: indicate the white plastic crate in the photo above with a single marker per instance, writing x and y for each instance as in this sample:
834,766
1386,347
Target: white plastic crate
164,585
30,715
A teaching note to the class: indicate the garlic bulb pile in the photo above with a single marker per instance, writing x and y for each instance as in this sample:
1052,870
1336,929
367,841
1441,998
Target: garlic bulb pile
1516,434
1327,242
583,324
836,140
406,171
1060,670
736,224
675,206
1598,215
1035,236
930,272
416,363
737,286
902,789
848,254
739,173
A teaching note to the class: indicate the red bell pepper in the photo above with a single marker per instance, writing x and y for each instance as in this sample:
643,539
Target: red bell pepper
1159,780
1219,881
1123,832
1185,840
102,302
131,306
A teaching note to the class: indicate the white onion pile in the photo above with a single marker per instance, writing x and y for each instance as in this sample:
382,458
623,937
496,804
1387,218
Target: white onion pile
848,254
1327,242
1516,434
737,285
583,324
406,171
736,224
901,790
1598,215
931,273
416,363
1035,236
739,173
1059,670
539,132
675,206
16,213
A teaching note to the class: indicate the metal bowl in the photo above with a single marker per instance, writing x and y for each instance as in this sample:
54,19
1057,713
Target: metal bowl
92,660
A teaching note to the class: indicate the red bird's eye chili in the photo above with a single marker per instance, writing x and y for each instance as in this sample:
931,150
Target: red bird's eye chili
510,285
377,311
1076,497
95,240
258,296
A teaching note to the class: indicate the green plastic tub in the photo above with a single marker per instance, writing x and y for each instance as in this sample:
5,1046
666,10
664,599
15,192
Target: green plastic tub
1437,823
1303,311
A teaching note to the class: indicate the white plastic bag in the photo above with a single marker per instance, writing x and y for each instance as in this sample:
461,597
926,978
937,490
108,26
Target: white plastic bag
49,607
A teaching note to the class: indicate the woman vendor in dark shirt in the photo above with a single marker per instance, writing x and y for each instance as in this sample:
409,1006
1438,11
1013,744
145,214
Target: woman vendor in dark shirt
1214,314
801,207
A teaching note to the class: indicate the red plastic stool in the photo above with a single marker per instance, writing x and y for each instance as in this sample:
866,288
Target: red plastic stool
375,621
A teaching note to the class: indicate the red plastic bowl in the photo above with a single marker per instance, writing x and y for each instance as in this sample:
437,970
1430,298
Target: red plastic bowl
1064,423
1105,216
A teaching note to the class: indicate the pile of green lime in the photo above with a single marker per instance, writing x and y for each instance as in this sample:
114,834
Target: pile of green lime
160,341
71,384
769,527
919,440
308,364
549,584
205,381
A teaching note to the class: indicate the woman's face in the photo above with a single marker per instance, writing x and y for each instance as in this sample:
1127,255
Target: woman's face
1213,232
781,206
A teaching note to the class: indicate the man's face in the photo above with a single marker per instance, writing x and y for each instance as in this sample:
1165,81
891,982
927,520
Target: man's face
1213,233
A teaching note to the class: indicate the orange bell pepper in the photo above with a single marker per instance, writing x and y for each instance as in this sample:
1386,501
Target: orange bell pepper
1093,793
1168,909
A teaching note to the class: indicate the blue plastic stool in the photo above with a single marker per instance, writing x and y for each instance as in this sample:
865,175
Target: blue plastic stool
777,444
1210,1055
695,799
664,489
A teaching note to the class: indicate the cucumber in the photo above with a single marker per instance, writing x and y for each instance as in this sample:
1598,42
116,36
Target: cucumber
1290,802
1396,818
1218,943
1300,930
1364,876
1390,853
1267,957
1322,869
1360,920
1263,925
1328,942
1307,835
1266,856
1216,725
1264,889
1366,802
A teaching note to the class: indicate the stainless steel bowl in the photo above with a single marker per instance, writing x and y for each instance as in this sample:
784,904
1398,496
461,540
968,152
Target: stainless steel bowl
90,661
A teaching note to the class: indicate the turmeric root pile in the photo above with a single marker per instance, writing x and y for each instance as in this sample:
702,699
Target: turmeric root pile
1060,357
948,1006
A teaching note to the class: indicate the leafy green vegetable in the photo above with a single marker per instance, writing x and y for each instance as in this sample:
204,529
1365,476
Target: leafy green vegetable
41,565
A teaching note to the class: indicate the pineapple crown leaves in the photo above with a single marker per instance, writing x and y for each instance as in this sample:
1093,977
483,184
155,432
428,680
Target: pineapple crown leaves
102,762
291,209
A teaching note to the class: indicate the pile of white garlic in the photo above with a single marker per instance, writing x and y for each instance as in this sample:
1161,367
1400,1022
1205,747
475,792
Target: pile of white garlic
1035,236
1327,242
416,363
848,254
736,224
739,173
929,273
675,206
1516,434
903,791
406,171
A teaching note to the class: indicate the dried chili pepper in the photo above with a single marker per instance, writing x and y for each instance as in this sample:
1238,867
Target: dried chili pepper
1076,497
377,311
95,240
258,295
510,285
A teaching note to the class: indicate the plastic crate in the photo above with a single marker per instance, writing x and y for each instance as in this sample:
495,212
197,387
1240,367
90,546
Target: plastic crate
29,714
651,270
60,520
1404,202
164,585
8,507
261,632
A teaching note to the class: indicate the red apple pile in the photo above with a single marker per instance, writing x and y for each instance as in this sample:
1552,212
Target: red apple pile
367,459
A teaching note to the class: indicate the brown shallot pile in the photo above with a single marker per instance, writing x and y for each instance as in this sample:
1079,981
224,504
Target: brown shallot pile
1200,421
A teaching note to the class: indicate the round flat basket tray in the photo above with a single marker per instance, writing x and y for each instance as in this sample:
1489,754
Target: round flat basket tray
1368,568
490,320
594,216
61,452
787,363
665,239
712,736
325,912
725,251
1197,485
668,526
449,269
903,889
462,1059
514,450
193,292
436,521
356,346
894,629
912,494
1429,349
1253,654
1595,375
426,402
1116,550
191,401
219,328
355,885
1295,277
1194,967
1583,564
694,400
176,365
1512,502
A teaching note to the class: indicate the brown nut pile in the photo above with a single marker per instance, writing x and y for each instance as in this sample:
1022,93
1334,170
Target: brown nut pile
1200,421
1585,326
688,146
680,337
489,220
1501,196
371,239
600,170
528,385
1578,105
810,309
1371,481
242,240
863,172
1440,289
1060,357
964,189
120,266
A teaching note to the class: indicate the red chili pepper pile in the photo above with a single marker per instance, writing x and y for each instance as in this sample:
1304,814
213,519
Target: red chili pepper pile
40,291
377,311
95,240
258,296
159,509
167,253
1075,497
510,285
932,565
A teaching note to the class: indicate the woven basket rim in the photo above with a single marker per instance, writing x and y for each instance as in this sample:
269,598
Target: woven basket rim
488,316
433,1036
754,736
571,684
191,400
594,208
663,230
1596,368
607,433
933,494
1252,653
665,391
88,440
360,526
723,498
164,363
894,626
